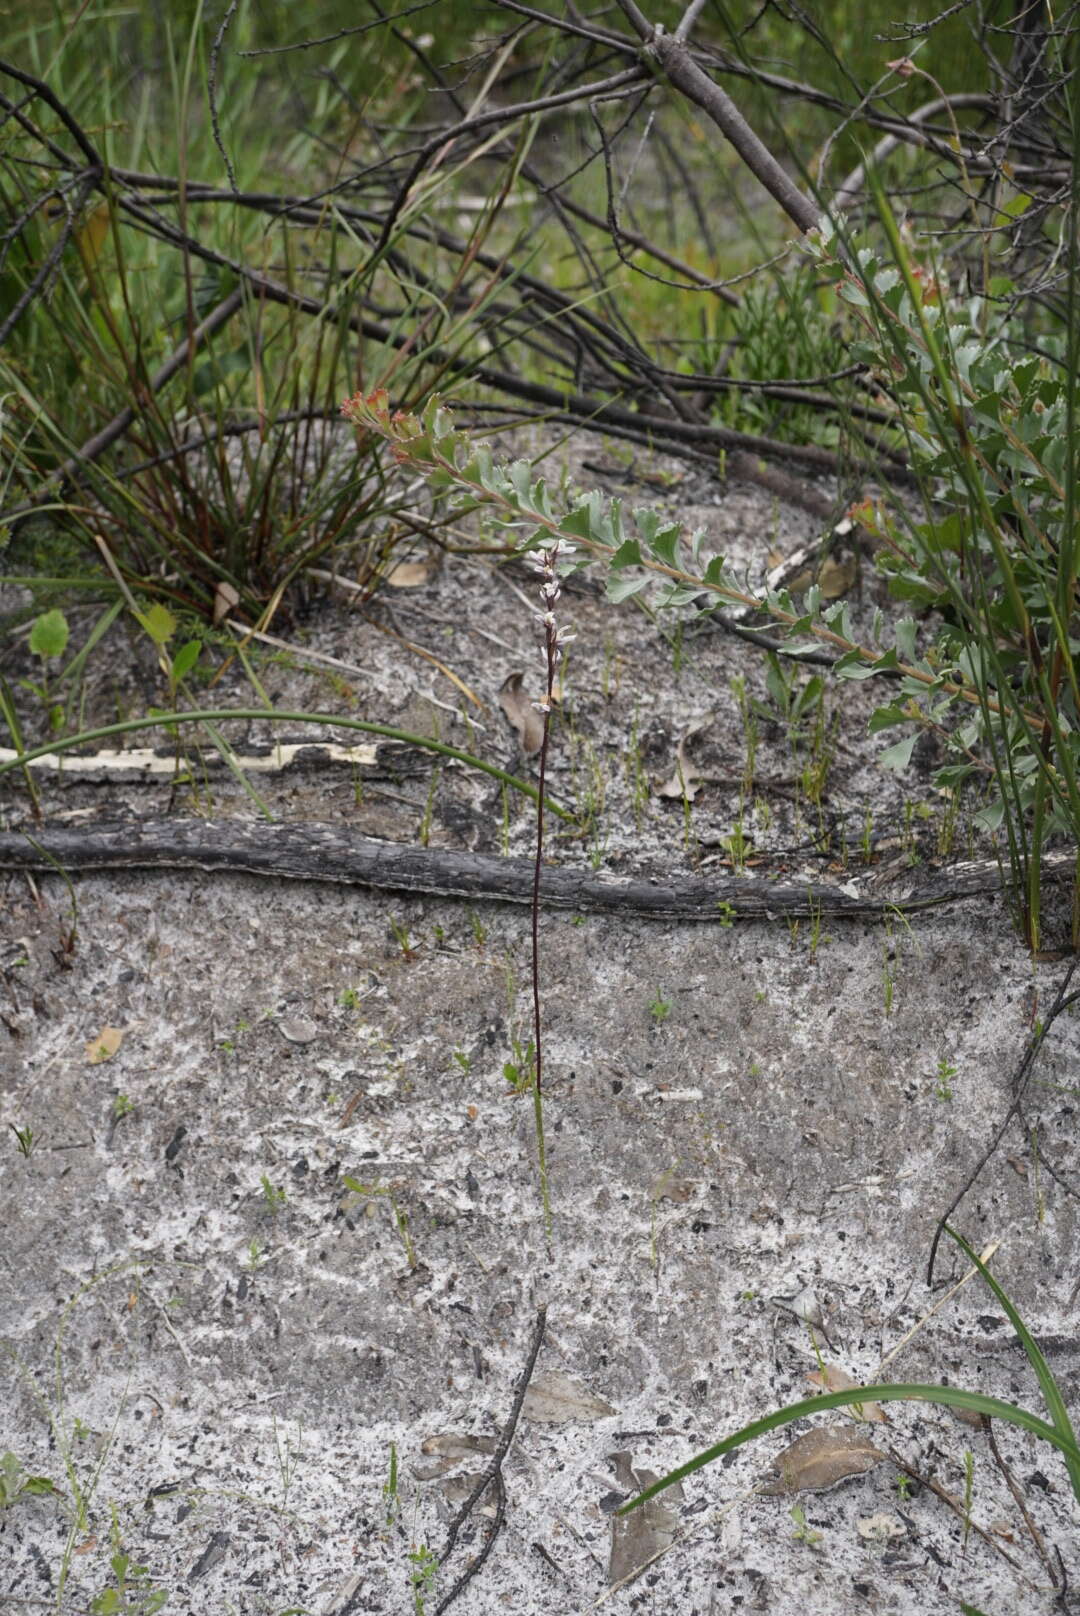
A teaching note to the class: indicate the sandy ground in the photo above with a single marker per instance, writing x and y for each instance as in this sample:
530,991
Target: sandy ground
271,1389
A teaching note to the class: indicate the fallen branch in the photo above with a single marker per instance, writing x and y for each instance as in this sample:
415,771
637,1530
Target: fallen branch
317,851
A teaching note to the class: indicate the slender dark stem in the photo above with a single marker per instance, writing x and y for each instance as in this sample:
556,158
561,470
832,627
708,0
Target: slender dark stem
211,92
538,1057
48,265
1062,1000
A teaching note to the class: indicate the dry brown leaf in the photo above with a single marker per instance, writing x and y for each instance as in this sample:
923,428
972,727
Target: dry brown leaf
831,1379
522,714
226,600
645,1532
833,577
455,1489
683,784
447,1451
822,1459
411,574
456,1445
969,1416
557,1399
836,576
105,1045
686,782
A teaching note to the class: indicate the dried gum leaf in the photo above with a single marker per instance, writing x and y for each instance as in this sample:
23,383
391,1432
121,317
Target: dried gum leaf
226,600
455,1489
522,714
456,1445
686,782
557,1399
410,574
687,786
645,1532
105,1045
835,577
822,1459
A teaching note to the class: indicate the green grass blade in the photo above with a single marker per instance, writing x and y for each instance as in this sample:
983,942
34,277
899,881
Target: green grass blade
11,718
950,1396
75,667
229,758
1052,1397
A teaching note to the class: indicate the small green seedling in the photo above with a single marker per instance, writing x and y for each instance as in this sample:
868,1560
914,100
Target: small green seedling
660,1008
48,639
969,1492
289,1451
123,1105
462,1060
24,1140
349,999
273,1195
803,1532
402,938
737,845
132,1593
425,1571
520,1072
391,1500
946,1071
817,937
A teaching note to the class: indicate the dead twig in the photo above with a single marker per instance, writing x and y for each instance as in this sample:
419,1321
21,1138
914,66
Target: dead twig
492,1475
1062,1001
1011,1483
957,1506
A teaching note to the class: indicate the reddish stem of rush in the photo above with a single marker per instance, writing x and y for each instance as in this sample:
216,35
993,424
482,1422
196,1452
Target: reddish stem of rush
550,646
